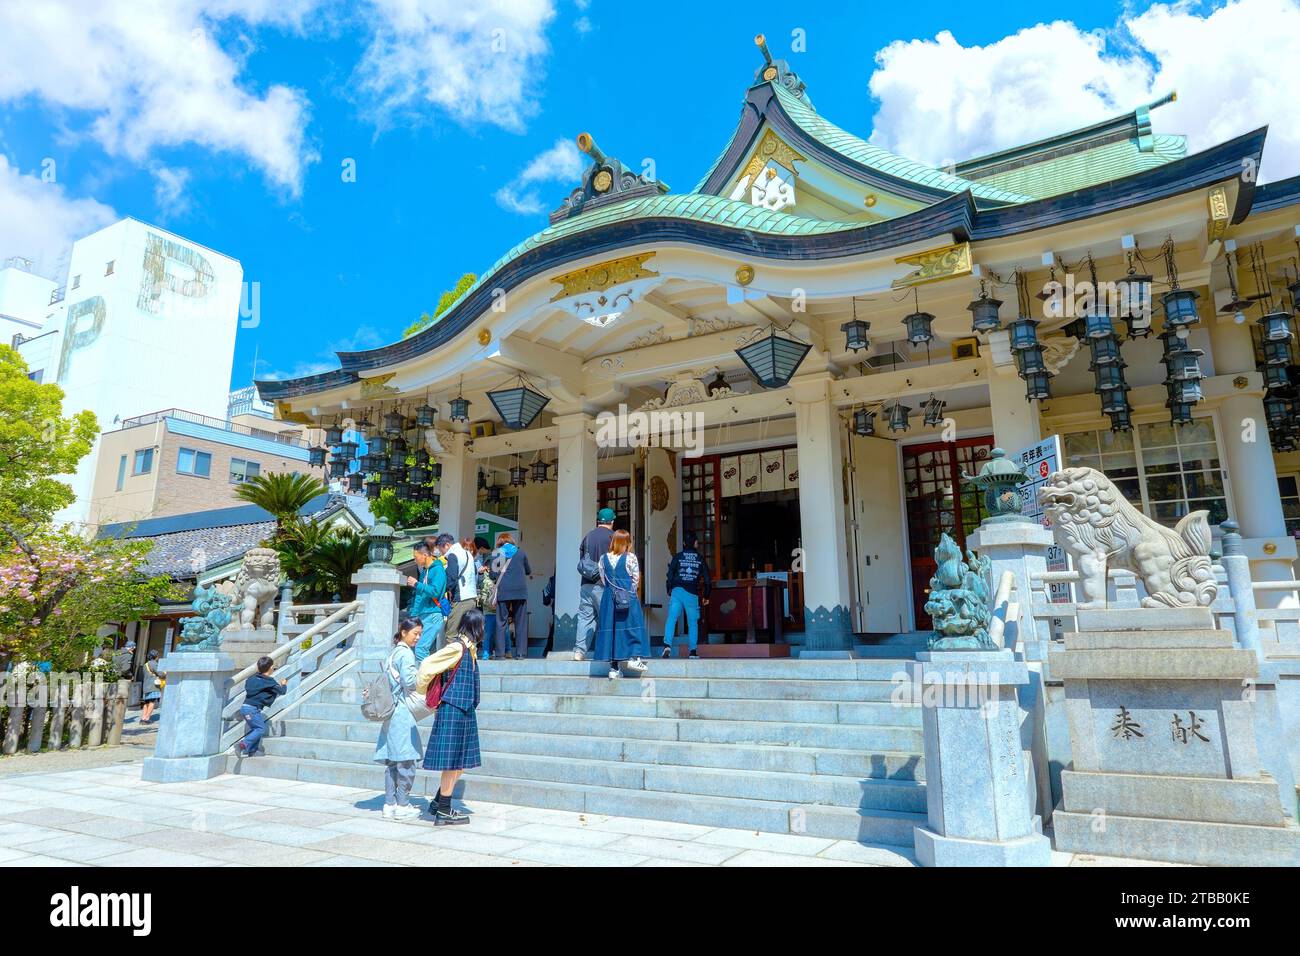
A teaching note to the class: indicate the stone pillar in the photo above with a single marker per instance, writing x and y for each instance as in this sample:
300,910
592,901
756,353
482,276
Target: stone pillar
189,734
1015,419
827,628
977,798
379,591
457,488
575,515
1249,455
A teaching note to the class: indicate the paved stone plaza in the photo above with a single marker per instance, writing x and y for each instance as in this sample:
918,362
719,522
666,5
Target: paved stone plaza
107,816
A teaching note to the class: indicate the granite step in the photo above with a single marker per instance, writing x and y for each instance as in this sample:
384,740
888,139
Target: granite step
733,756
715,669
878,826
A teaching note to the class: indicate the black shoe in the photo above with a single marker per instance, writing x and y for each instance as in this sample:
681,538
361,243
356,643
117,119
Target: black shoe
695,654
668,652
449,816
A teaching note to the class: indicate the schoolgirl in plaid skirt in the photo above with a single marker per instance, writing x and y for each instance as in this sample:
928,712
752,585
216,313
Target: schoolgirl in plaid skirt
453,744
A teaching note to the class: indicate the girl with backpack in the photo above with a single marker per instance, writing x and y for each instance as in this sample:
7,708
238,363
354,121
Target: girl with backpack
453,688
620,631
398,747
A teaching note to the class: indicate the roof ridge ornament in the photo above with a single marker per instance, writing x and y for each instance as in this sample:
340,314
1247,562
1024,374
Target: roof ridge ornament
778,71
607,181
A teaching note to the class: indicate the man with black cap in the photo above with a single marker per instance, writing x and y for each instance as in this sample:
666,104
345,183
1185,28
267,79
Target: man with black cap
593,548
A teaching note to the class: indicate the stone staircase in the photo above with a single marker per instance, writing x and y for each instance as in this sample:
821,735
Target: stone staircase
785,746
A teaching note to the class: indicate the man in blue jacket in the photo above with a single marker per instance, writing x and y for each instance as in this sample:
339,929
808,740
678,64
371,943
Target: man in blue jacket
689,586
428,587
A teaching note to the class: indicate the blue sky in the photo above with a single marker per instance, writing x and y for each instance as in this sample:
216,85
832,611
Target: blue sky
228,121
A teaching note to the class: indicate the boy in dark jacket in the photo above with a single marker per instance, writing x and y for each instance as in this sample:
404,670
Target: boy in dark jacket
689,586
260,691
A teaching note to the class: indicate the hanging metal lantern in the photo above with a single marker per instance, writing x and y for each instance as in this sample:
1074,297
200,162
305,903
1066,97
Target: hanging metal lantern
1098,325
373,490
518,476
1135,301
864,423
1275,376
898,417
435,498
1105,352
1180,411
1185,366
387,479
459,409
494,494
346,450
402,490
419,475
1277,411
316,457
1114,399
774,359
1180,308
1121,421
394,423
356,482
377,445
1109,377
541,471
425,416
1030,361
1277,353
1076,329
396,463
482,480
855,335
1038,385
984,313
919,330
398,446
1275,327
422,457
1024,334
518,407
436,469
932,414
333,434
1188,391
338,468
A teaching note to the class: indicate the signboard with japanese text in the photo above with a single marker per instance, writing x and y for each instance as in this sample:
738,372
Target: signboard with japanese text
1039,461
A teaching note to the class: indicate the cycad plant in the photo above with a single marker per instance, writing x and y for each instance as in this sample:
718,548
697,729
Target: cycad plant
283,495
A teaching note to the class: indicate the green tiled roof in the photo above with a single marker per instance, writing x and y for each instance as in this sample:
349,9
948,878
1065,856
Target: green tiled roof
1115,160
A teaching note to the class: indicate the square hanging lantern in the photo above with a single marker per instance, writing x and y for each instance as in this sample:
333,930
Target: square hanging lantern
1114,400
333,434
422,458
933,412
419,475
518,476
1275,376
493,494
394,422
773,360
1134,294
1180,308
402,490
541,471
1105,352
864,423
1109,376
436,469
346,450
1030,361
377,445
316,457
368,464
1185,366
984,314
396,462
1038,385
1097,325
1076,329
1121,421
1277,412
898,415
1277,353
919,330
373,490
1137,326
425,416
356,482
459,409
1275,327
338,468
1180,413
855,335
398,446
482,480
518,407
387,479
1024,334
1188,392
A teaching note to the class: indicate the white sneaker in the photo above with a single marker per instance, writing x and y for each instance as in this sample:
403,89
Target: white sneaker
389,810
636,664
614,673
579,656
407,812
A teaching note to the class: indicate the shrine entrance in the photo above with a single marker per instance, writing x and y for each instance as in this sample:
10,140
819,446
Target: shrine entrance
938,503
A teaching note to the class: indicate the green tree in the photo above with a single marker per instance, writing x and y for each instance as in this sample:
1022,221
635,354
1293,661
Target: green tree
403,514
37,444
445,302
283,495
320,560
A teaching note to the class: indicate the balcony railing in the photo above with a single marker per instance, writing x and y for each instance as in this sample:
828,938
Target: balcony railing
292,439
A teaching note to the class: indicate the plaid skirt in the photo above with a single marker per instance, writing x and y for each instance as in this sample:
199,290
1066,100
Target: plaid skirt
453,744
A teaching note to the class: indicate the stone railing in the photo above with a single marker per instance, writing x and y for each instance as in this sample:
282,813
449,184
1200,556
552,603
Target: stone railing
61,711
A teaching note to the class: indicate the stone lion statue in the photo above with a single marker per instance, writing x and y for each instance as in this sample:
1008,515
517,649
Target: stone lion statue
1094,523
255,589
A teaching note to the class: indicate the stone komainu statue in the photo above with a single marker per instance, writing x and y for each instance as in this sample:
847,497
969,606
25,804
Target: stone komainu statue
1094,523
255,589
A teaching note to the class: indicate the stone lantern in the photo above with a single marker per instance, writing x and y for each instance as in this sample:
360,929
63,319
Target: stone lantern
381,545
1000,479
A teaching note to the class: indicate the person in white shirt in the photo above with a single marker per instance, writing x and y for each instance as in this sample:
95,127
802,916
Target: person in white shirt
462,583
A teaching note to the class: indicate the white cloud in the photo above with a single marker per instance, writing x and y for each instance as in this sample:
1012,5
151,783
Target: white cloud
583,25
152,74
40,221
480,62
940,101
365,337
170,191
562,163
